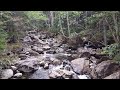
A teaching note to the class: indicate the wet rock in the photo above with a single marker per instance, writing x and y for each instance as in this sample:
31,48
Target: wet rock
106,68
79,64
83,77
7,73
115,75
17,75
40,74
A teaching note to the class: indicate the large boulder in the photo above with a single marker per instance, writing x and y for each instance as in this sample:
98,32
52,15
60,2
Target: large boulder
115,75
7,73
106,68
79,64
28,65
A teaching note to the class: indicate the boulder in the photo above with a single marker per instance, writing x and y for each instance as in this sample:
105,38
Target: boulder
40,74
7,73
79,64
37,49
86,55
106,68
28,65
56,62
17,75
115,75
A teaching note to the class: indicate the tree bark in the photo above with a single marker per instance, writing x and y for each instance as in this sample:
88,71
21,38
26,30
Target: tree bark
68,24
105,35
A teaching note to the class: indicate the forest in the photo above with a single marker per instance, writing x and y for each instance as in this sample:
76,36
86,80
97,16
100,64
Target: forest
59,45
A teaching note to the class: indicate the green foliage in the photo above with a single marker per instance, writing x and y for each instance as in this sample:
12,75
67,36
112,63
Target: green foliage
117,57
3,36
36,15
111,50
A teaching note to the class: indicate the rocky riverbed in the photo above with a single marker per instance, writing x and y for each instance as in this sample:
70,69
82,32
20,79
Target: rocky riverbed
43,56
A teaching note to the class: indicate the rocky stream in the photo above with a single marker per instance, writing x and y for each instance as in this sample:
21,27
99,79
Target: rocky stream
43,56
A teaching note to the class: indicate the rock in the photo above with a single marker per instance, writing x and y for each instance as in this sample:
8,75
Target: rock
67,67
62,56
56,62
46,66
33,53
67,74
22,56
14,68
83,77
7,73
40,74
27,39
86,70
54,75
51,52
17,75
79,64
59,74
46,47
75,76
106,68
115,75
29,65
75,56
86,55
42,63
60,50
39,50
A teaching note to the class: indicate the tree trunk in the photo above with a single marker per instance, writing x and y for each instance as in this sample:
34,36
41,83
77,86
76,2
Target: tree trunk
105,35
61,29
116,27
52,18
68,24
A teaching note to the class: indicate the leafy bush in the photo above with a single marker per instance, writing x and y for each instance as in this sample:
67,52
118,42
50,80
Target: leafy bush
111,50
117,57
3,36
